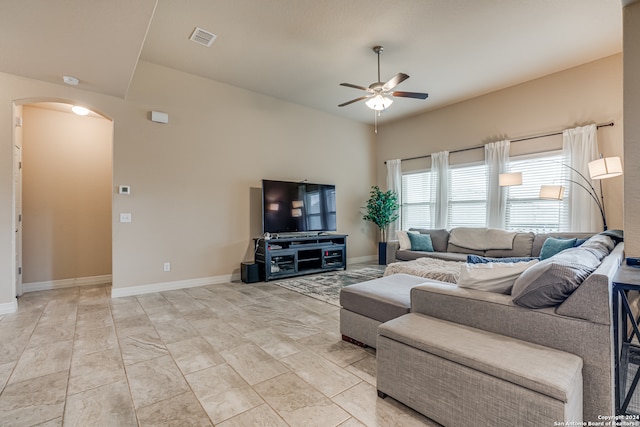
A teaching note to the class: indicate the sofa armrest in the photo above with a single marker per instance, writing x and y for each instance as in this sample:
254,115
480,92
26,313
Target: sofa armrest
392,248
497,313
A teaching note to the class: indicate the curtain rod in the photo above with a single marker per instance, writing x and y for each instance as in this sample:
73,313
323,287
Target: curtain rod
524,138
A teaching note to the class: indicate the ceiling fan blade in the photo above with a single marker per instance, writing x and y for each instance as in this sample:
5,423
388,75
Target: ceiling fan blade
353,100
394,81
355,86
416,95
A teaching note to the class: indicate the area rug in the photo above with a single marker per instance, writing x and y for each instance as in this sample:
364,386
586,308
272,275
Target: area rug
326,286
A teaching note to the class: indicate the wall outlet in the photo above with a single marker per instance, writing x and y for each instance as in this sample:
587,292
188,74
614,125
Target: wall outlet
125,217
166,266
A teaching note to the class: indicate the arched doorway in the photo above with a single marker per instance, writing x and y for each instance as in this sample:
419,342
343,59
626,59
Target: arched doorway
62,196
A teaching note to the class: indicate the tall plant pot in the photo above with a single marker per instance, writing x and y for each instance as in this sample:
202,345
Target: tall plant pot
382,253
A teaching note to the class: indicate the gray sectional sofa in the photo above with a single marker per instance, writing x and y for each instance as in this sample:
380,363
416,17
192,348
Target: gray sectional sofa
524,245
579,326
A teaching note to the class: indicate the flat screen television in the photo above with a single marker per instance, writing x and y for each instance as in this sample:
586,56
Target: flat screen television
296,207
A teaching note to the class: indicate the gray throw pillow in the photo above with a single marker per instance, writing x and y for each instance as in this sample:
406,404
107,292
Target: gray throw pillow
552,280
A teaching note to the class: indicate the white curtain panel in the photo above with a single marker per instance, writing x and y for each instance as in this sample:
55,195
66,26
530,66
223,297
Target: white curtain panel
394,183
440,189
496,159
579,147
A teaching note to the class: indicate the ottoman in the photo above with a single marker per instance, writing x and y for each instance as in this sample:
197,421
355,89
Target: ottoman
461,376
368,304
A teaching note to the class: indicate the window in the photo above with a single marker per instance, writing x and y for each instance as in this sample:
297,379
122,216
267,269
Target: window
467,196
416,200
525,210
319,217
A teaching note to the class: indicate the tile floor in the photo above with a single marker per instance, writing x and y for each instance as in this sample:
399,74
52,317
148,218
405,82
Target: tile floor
226,355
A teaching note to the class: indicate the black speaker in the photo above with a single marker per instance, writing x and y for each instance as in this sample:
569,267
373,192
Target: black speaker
249,272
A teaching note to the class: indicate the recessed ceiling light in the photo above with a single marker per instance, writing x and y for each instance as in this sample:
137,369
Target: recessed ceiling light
202,37
81,111
70,80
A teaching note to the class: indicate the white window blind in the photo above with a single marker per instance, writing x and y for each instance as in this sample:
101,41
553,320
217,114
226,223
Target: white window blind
525,210
416,200
467,196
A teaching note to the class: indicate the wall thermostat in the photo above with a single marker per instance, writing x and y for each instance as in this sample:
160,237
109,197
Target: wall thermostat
124,189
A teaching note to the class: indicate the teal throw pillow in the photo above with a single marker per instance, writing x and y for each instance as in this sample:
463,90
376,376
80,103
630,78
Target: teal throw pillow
420,242
554,245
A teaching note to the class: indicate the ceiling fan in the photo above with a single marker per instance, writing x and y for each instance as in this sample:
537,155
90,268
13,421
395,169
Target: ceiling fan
379,92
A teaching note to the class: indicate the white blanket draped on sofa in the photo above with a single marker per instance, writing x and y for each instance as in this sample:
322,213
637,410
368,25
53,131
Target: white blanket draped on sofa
429,268
481,239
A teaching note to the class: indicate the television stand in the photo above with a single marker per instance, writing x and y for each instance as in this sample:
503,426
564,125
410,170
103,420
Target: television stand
298,255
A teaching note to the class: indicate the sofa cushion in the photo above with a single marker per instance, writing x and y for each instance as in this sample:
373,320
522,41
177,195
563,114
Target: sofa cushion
482,238
460,250
552,280
447,256
522,245
539,239
439,238
551,372
403,240
381,299
555,245
492,277
420,242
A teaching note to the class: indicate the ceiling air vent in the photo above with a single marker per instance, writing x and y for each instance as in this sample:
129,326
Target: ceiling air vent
202,37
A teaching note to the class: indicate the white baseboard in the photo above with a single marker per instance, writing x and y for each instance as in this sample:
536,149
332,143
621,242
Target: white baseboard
9,307
66,283
171,286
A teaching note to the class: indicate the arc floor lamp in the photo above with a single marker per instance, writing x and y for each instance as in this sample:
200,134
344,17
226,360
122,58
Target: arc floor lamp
602,168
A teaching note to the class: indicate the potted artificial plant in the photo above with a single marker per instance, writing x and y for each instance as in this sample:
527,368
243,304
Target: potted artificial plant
382,210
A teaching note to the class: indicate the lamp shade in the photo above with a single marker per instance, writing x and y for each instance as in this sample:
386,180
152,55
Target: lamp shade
379,102
509,179
551,192
606,167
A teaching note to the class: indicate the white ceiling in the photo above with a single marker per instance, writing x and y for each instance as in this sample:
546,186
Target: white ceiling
300,50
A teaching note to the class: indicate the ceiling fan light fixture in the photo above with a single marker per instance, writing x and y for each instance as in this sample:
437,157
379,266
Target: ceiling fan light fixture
379,102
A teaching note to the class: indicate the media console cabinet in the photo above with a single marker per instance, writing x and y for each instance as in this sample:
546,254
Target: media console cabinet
293,256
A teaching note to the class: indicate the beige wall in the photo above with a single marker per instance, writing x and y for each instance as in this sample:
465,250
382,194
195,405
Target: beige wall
631,26
66,195
191,178
591,93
